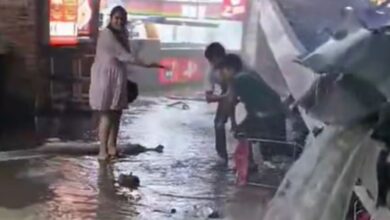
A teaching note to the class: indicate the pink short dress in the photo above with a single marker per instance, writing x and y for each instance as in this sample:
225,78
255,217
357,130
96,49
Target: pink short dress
107,91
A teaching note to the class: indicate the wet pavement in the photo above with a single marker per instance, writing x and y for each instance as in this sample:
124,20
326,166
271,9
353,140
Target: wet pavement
186,181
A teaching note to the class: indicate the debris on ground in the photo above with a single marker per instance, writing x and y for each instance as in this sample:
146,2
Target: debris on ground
159,148
91,148
130,181
173,211
199,97
206,212
214,214
137,149
182,105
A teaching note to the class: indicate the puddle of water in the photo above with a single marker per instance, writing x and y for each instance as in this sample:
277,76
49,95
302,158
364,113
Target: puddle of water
186,177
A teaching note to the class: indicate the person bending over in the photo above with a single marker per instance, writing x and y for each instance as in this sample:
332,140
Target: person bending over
266,114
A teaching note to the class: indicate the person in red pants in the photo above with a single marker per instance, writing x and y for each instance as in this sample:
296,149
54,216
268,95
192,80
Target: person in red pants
266,113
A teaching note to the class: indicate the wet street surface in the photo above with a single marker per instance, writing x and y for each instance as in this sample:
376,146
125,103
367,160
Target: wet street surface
186,181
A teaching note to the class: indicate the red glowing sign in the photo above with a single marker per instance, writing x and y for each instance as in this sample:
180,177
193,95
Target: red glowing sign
69,20
182,70
234,9
84,17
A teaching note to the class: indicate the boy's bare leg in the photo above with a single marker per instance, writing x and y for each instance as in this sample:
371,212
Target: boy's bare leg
220,130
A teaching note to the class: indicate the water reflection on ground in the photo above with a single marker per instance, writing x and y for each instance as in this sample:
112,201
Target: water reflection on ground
182,183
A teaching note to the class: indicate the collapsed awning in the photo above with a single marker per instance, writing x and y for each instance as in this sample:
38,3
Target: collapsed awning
320,184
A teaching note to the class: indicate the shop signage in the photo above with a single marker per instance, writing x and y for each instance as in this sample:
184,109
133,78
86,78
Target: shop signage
69,20
182,70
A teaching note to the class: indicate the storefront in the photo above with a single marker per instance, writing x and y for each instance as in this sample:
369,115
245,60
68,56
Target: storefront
175,33
171,32
72,34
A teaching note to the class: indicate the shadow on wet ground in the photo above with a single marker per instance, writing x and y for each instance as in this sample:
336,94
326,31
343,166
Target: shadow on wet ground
184,182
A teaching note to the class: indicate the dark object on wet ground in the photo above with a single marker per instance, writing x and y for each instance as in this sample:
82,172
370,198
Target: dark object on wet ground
214,214
181,104
137,149
130,181
173,211
83,148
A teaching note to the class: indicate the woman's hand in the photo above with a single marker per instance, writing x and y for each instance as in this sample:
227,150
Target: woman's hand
141,63
157,65
213,98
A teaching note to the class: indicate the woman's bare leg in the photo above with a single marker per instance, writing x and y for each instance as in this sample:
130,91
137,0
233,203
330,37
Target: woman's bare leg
104,129
113,137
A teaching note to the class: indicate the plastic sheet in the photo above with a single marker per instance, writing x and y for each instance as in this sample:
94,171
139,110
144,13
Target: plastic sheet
319,185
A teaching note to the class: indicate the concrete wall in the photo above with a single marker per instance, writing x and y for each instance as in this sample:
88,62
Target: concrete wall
20,28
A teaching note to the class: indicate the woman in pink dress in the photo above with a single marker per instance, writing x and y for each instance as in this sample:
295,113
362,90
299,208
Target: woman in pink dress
108,93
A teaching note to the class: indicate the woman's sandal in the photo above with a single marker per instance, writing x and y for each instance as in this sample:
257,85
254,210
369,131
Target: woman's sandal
117,155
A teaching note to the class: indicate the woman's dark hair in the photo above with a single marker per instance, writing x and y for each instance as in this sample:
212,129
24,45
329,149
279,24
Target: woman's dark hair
214,50
122,35
232,61
120,10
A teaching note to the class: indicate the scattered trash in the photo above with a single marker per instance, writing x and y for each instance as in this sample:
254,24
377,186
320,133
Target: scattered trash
206,212
130,181
134,149
181,104
159,148
214,214
199,97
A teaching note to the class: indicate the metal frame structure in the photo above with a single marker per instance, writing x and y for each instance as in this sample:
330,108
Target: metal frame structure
253,141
